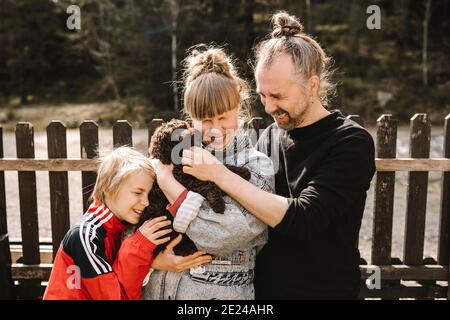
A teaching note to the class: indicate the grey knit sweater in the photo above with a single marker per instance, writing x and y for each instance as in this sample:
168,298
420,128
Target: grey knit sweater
233,238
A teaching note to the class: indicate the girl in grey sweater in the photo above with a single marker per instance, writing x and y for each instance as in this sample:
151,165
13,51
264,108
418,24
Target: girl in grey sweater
212,98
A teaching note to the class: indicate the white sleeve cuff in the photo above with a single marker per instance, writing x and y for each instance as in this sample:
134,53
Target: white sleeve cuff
187,211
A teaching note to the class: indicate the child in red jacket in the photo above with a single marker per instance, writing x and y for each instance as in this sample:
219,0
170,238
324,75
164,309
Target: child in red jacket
91,262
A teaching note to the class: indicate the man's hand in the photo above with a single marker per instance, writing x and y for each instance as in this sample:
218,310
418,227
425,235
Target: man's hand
168,261
201,164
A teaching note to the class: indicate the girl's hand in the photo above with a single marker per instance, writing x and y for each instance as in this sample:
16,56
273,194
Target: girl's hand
163,172
166,181
150,230
201,164
168,261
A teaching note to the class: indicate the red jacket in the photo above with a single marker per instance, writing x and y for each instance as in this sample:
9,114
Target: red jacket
91,262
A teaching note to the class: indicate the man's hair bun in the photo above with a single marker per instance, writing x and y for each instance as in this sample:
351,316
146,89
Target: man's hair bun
285,25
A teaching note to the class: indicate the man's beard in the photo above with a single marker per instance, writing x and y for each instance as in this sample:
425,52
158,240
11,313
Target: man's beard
289,122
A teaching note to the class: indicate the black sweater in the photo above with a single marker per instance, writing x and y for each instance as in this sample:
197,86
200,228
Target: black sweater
324,170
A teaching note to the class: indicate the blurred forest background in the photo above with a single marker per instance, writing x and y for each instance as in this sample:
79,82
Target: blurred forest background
125,59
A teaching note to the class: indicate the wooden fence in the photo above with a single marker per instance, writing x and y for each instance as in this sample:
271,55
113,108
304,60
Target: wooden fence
410,277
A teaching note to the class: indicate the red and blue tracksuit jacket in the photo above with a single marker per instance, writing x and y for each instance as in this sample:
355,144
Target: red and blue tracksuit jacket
92,263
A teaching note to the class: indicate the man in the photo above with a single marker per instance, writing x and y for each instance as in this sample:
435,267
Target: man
326,165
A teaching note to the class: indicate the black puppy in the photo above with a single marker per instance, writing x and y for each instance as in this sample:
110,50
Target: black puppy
167,144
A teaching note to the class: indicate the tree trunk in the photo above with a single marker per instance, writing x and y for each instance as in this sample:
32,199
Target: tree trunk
355,27
174,12
308,16
248,22
403,11
23,64
426,21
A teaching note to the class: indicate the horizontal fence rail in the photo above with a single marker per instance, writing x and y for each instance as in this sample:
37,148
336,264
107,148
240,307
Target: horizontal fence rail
388,272
412,276
388,165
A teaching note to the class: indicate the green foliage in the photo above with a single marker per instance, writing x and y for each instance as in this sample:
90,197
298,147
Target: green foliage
74,124
123,50
10,115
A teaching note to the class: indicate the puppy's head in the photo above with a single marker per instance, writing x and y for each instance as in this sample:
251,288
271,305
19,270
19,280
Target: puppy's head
171,138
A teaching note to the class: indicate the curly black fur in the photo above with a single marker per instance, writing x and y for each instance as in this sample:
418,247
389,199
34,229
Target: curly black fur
167,144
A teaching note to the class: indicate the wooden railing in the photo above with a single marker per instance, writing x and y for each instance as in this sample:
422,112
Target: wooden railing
23,278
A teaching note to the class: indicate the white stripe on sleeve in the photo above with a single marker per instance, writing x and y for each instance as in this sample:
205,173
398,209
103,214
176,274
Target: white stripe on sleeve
188,211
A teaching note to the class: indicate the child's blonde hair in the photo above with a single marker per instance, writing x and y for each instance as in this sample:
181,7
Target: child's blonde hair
115,167
211,84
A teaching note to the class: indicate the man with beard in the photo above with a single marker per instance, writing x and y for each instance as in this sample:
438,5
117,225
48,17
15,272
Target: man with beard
325,168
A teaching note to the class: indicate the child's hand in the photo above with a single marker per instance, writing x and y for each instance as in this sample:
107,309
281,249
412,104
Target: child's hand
168,261
201,164
150,230
162,171
166,181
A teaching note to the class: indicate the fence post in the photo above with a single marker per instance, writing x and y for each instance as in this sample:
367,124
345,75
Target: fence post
28,208
384,194
122,134
88,145
6,282
417,192
3,219
444,223
59,187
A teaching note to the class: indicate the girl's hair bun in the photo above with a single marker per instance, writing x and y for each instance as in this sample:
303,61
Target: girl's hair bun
211,60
